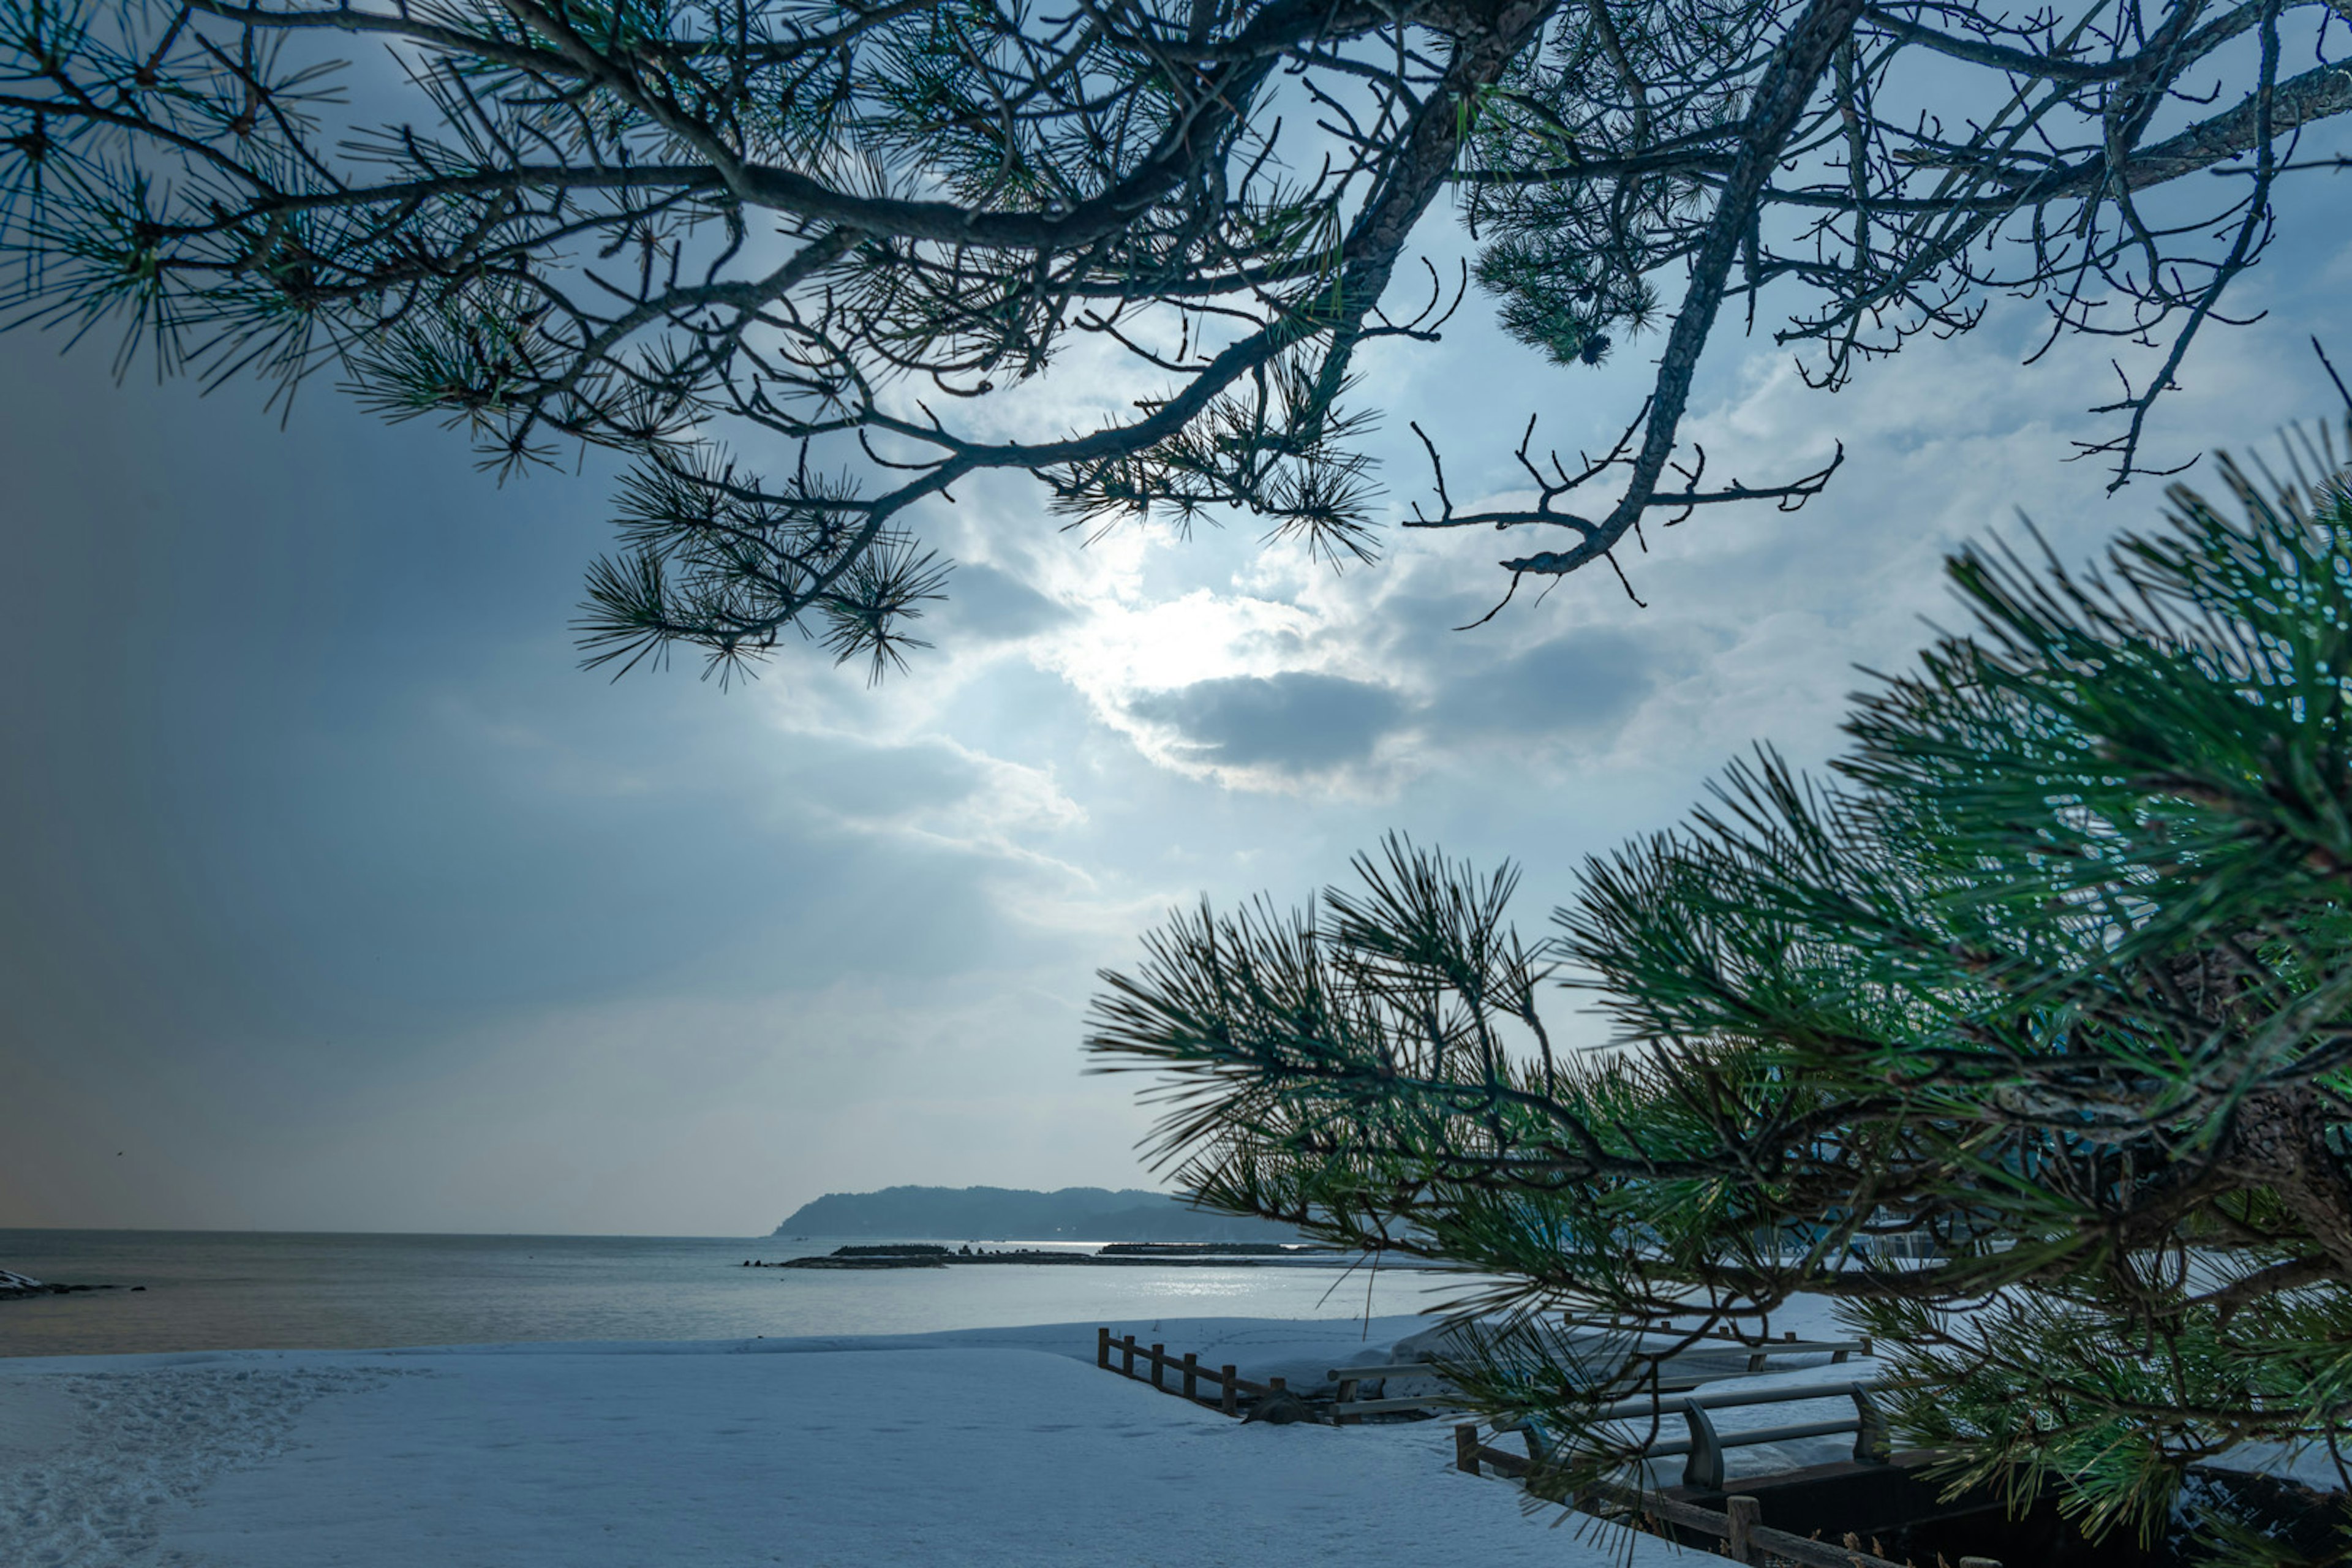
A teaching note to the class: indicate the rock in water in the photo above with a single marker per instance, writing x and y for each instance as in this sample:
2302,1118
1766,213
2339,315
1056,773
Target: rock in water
1281,1408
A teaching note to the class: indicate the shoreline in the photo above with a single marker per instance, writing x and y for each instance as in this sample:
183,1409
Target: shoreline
1048,1259
1111,1255
207,1294
988,1449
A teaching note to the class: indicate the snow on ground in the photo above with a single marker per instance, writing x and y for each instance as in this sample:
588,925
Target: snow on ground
983,1447
988,1447
87,1459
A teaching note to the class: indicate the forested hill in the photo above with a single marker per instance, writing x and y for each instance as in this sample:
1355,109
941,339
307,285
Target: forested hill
1010,1214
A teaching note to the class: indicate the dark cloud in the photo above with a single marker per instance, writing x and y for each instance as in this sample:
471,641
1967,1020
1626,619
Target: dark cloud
1577,682
307,785
1295,722
985,605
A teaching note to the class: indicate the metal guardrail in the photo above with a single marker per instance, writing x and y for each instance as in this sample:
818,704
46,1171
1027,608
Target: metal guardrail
1759,1353
1703,1466
1703,1449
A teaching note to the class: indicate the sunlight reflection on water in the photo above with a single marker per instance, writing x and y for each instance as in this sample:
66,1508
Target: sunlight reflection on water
216,1291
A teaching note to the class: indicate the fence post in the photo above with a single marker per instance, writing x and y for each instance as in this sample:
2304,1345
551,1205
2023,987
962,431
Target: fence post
1230,1402
1191,1373
1158,1366
1741,1517
1871,1442
1127,1355
1102,1348
1466,1447
1275,1385
1704,1468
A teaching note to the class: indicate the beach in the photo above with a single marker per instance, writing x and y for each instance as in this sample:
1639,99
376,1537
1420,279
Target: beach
982,1446
1000,1446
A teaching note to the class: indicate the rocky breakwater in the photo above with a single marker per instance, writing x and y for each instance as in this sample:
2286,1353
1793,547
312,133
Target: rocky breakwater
912,1255
14,1286
1118,1254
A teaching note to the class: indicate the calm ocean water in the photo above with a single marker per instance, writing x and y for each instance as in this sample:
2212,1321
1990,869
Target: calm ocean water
228,1290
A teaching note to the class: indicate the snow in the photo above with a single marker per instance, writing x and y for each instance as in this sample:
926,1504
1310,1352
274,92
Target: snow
985,1447
14,1281
992,1447
2308,1463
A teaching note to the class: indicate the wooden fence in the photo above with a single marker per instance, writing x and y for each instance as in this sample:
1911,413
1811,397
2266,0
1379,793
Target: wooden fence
1739,1525
1191,1375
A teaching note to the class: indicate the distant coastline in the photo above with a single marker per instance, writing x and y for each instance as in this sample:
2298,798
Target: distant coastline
1076,1214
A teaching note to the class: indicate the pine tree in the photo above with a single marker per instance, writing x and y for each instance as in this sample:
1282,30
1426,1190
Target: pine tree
2047,988
807,266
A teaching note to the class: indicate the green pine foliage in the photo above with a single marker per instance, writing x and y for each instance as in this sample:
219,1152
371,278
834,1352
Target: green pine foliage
2026,1038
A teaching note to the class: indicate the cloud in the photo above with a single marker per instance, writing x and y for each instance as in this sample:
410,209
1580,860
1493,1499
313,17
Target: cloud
1294,723
367,908
986,605
1573,684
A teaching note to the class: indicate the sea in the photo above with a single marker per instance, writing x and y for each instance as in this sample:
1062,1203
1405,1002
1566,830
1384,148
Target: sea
209,1290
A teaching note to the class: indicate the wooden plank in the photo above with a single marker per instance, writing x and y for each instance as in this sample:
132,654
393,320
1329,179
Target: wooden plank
1776,1543
1427,1402
1816,1554
1422,1369
1505,1462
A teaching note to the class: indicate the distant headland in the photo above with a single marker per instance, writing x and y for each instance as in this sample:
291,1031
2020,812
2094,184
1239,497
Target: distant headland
1077,1213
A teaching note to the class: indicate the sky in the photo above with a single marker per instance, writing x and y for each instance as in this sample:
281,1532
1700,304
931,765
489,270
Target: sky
336,897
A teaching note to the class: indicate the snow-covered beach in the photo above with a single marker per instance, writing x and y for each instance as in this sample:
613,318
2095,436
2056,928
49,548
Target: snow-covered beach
1000,1447
978,1446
